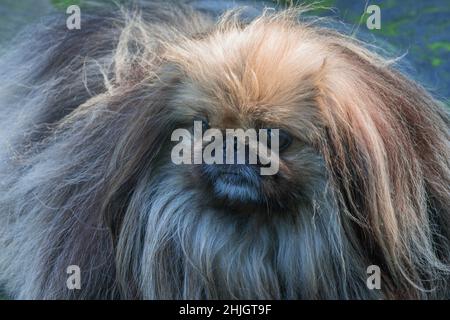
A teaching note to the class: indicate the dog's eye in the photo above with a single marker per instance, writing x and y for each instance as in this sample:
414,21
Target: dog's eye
285,139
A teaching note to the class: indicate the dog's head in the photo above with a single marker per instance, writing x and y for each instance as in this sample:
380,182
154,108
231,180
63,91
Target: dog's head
262,79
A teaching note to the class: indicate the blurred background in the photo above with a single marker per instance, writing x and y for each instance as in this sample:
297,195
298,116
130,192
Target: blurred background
418,29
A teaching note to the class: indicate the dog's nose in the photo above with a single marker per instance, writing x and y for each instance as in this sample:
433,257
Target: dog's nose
233,183
233,173
240,166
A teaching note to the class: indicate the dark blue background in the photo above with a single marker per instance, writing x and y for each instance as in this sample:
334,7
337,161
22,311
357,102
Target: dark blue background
419,28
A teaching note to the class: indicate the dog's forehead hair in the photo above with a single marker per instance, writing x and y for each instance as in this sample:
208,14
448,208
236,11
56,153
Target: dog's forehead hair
245,79
196,102
247,94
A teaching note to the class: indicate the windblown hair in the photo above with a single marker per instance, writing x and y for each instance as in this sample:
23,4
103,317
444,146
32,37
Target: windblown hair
85,123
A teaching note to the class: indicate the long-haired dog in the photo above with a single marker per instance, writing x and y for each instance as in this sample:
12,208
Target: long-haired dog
86,176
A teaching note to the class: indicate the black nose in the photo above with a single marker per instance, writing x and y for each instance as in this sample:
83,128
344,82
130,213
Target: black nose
241,174
243,170
235,182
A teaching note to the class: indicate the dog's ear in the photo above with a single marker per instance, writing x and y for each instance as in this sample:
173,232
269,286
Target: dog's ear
145,128
387,152
100,152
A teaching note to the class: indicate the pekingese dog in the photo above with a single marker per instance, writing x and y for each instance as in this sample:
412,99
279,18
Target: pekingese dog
87,177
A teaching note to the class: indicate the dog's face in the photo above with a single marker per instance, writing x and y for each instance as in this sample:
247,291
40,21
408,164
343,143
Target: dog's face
236,87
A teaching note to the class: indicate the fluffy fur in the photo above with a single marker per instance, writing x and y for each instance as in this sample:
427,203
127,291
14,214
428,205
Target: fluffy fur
86,177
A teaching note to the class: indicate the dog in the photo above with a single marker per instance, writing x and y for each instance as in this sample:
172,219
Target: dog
87,180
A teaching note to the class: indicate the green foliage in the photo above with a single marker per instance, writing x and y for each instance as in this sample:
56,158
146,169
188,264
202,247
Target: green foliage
3,295
318,5
63,4
440,45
